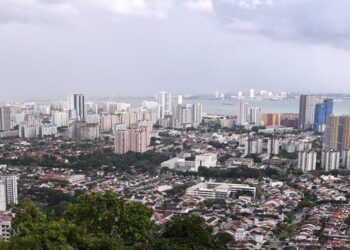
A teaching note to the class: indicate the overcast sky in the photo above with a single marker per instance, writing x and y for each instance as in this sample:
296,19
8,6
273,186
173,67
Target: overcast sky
137,47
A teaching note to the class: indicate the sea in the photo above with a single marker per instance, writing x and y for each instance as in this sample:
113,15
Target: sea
231,107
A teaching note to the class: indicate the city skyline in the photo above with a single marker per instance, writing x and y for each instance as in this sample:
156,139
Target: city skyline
192,46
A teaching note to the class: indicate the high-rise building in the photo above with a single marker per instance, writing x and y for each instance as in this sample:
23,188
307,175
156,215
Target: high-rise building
255,116
307,160
164,101
188,115
272,146
271,119
2,196
10,182
197,114
330,160
122,141
179,99
306,112
290,120
60,119
252,93
83,131
5,119
322,111
77,106
134,140
216,94
345,161
184,114
243,113
337,133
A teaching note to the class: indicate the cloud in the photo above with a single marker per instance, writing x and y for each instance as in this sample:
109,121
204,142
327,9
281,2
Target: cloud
34,11
319,21
136,8
200,5
43,12
252,4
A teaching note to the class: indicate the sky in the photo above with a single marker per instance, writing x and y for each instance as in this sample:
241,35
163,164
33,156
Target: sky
51,48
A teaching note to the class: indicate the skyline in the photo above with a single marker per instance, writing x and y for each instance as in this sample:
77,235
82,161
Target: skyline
103,47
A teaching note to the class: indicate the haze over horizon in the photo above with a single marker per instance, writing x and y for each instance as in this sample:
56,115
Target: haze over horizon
51,48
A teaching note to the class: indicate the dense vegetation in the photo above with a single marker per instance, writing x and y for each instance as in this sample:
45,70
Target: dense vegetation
143,162
105,221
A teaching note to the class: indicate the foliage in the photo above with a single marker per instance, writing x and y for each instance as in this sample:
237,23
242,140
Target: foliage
224,237
214,202
187,232
145,162
217,144
51,199
105,221
309,199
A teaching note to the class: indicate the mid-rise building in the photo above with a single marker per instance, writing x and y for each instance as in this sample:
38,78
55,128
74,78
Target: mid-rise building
206,160
306,112
5,226
214,190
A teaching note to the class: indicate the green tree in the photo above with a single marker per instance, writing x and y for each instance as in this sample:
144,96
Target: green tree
187,232
108,215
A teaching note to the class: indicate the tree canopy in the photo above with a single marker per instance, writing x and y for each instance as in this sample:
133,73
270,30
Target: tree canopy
105,221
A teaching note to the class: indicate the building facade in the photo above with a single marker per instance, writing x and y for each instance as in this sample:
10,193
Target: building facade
306,111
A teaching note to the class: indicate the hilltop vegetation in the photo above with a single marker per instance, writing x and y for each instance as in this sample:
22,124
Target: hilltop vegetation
105,221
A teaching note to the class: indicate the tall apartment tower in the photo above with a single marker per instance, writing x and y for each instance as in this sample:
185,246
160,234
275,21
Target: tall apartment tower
2,196
164,101
140,139
5,119
252,93
307,160
337,133
322,112
10,182
306,112
76,103
179,99
135,140
197,111
122,141
330,160
243,113
255,116
345,162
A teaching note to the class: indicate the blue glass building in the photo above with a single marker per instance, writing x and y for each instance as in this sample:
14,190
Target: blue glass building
322,111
